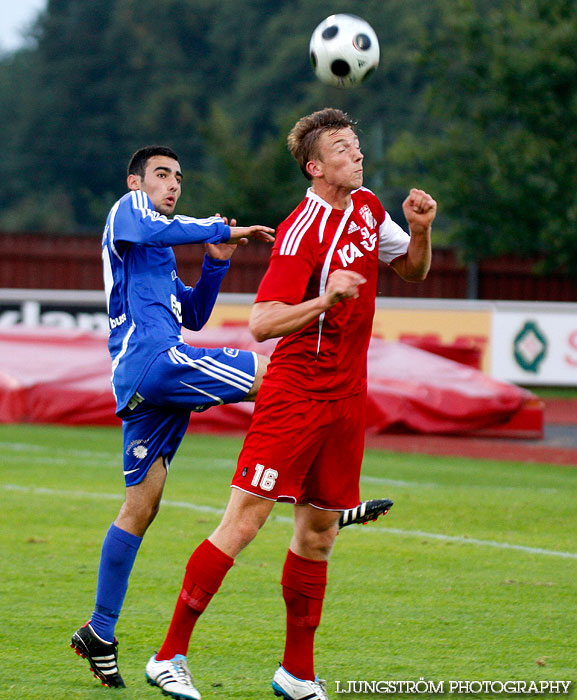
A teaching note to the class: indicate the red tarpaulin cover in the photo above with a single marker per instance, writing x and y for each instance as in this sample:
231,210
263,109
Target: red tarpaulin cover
57,376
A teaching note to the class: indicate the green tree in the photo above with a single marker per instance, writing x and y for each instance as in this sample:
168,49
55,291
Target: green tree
242,181
499,136
105,77
474,100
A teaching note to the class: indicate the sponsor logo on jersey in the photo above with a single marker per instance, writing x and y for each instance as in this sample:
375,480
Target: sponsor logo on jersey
118,321
348,253
353,226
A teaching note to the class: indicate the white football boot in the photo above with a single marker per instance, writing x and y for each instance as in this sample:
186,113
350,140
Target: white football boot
285,685
172,677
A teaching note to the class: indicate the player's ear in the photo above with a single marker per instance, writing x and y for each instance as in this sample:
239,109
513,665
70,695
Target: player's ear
133,182
314,168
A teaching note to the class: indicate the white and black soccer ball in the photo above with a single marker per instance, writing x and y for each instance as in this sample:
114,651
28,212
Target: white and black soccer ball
344,50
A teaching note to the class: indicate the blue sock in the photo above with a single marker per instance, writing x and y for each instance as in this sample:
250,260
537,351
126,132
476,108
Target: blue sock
119,551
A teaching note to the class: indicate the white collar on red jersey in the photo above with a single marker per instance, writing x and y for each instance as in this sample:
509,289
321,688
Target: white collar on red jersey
315,197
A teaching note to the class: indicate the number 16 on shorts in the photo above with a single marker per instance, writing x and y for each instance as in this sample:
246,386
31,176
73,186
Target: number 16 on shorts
264,478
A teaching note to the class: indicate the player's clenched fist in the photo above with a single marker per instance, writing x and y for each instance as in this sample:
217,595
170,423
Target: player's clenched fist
343,284
420,210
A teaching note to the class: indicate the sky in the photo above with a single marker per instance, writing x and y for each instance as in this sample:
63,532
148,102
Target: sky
15,15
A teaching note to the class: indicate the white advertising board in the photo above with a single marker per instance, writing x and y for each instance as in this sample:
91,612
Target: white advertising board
521,342
535,344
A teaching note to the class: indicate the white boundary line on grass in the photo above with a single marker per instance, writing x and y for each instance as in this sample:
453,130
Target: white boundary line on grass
460,539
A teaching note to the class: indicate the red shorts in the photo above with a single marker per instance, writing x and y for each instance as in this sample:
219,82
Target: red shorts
303,450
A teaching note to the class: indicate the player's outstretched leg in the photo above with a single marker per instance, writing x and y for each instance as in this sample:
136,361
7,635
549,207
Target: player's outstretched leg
173,677
102,656
285,685
365,512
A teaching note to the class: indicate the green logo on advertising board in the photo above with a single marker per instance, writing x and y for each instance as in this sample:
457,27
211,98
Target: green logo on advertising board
530,347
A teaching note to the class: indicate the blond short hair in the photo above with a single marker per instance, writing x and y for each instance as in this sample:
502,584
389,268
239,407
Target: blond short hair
303,138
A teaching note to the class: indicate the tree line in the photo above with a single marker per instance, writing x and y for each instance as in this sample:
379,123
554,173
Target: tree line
474,100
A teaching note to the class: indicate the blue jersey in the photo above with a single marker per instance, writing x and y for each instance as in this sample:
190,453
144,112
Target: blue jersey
147,302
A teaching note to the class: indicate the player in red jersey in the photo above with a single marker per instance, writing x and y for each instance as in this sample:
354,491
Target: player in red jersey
306,439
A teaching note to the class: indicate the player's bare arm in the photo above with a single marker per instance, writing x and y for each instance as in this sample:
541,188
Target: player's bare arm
420,210
224,251
257,232
274,319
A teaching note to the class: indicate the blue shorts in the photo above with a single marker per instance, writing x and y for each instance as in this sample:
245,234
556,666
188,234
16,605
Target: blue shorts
181,380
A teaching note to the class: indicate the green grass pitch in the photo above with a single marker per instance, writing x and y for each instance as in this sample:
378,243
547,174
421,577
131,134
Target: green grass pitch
471,576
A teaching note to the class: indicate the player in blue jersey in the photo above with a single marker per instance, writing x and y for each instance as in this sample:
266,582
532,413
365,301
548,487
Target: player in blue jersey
157,379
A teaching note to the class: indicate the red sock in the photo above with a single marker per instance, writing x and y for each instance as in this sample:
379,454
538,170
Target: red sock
304,582
205,571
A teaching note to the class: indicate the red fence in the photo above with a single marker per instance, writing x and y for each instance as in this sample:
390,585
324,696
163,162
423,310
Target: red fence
36,261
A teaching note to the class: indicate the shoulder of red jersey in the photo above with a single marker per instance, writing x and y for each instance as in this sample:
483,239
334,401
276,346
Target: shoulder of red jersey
303,221
369,206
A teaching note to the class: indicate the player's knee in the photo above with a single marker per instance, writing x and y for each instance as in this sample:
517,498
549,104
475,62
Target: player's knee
137,516
246,533
152,511
147,508
246,530
324,545
318,541
232,536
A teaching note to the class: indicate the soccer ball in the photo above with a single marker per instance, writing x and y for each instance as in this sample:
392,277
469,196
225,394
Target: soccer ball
344,51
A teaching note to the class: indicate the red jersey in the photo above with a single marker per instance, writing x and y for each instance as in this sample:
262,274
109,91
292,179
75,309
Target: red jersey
327,359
